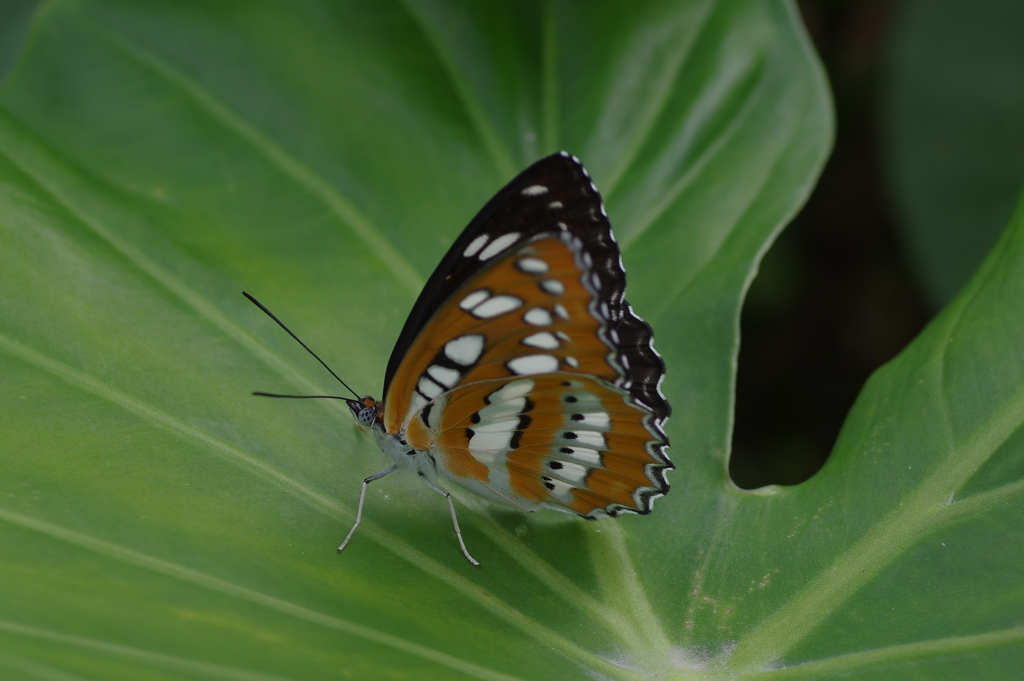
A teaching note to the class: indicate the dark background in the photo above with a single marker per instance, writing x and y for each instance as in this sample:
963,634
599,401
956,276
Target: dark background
835,297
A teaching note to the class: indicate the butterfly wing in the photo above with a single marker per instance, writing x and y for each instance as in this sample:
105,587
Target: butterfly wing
523,369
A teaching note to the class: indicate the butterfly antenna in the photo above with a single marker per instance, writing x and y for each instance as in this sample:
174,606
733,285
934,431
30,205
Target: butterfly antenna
303,397
281,324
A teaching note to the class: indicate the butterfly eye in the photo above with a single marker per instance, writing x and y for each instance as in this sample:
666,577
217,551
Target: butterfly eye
366,416
364,411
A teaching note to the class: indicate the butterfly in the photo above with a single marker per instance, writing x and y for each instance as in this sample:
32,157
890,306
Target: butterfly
522,374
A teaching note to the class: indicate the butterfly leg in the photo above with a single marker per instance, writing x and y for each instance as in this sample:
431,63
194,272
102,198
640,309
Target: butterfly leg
362,498
455,521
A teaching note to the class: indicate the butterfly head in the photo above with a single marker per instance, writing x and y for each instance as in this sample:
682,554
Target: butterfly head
366,411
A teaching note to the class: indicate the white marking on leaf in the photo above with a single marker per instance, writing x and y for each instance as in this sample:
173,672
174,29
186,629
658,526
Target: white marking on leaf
532,265
538,316
498,305
475,245
534,190
533,364
475,298
543,340
464,350
499,245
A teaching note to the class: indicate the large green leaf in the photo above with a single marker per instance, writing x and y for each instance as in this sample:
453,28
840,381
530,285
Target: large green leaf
158,523
954,113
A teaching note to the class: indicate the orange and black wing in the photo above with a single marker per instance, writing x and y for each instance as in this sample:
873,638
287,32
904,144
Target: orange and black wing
529,302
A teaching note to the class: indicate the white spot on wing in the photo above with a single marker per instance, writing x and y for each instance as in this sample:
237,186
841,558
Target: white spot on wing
511,391
499,245
589,438
495,306
475,245
474,299
443,375
464,350
506,426
573,362
543,340
490,437
533,364
589,457
416,403
484,445
553,286
557,488
596,419
534,190
555,205
532,265
538,316
561,311
502,410
429,388
573,473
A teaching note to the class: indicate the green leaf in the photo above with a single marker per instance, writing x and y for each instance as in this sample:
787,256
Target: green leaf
954,114
159,523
